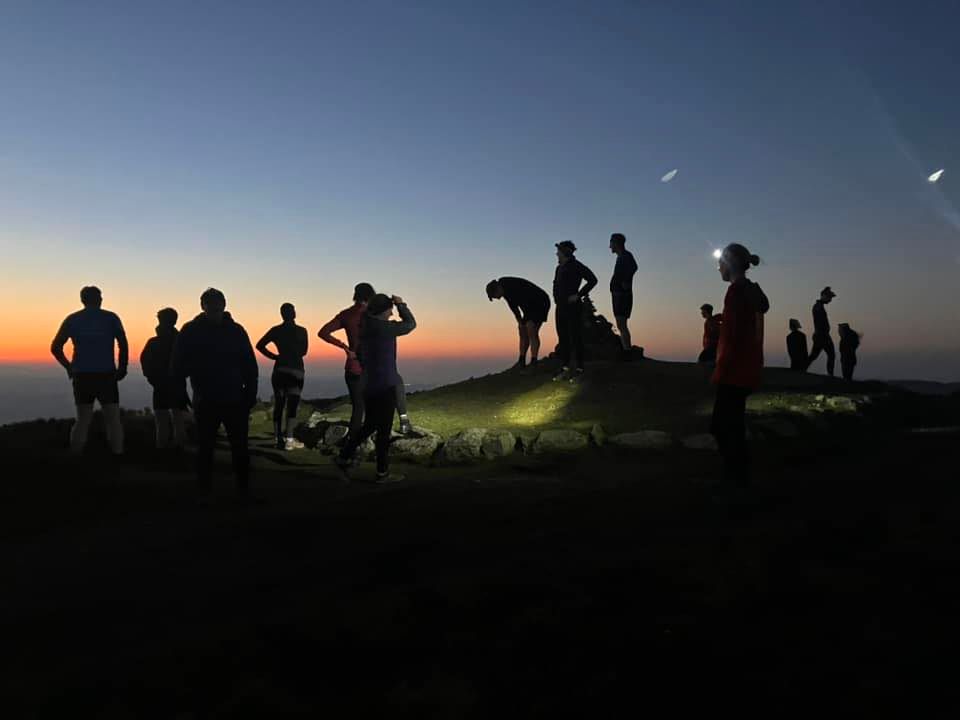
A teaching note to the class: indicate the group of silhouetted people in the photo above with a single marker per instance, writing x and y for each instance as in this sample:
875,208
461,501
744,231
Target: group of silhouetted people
215,353
800,358
572,283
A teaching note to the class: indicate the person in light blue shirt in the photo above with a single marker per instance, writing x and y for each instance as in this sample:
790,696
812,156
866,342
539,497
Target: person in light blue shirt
95,368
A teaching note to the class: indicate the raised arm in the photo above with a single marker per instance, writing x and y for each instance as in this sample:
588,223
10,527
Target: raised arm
262,346
56,347
406,324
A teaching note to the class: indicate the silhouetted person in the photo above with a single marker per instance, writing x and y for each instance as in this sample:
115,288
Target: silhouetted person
568,296
215,352
378,356
350,321
849,342
797,347
711,334
170,399
821,331
739,361
621,289
94,369
530,306
290,341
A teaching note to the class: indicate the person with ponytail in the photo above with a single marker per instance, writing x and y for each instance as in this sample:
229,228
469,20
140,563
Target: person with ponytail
739,360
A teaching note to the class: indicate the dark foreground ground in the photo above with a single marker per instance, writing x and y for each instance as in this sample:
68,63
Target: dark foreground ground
534,588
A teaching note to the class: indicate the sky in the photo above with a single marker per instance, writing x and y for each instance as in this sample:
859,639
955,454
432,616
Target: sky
284,151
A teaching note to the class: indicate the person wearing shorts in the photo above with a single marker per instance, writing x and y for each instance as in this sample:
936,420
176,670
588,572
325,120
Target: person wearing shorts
94,369
530,305
290,341
621,289
170,399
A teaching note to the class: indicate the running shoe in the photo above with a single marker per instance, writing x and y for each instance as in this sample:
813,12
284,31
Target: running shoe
389,477
293,444
563,374
405,427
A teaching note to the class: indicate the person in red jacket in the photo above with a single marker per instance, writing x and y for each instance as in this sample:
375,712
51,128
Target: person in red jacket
739,360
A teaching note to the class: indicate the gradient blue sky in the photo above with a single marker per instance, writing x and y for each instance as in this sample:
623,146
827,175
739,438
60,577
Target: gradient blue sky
286,150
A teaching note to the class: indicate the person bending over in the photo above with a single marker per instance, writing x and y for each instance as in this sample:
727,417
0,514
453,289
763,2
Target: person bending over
94,369
290,341
378,355
530,306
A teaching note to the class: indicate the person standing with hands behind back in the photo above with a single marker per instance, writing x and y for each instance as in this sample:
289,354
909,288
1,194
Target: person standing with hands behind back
568,296
739,361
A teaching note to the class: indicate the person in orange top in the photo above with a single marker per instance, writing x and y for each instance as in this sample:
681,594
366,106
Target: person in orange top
711,334
739,361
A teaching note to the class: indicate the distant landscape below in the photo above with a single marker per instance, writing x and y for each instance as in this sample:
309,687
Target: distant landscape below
31,391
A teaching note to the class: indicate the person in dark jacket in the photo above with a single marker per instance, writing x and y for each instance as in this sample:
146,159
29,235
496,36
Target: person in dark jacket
621,289
378,356
290,341
849,342
797,347
572,282
739,361
711,335
215,352
170,399
821,331
350,320
530,306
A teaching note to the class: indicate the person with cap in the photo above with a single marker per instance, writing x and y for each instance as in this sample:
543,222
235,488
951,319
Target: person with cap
530,305
711,334
797,347
214,351
170,399
621,289
377,353
94,369
739,362
822,342
290,341
572,282
849,342
350,321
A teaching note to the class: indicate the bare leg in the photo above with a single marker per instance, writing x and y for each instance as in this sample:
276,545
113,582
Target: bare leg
533,338
111,416
625,340
81,428
524,342
164,422
179,428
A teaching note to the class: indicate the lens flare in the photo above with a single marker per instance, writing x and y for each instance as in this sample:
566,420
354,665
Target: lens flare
717,253
936,176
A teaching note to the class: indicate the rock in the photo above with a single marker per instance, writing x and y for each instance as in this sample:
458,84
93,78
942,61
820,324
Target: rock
527,439
498,443
334,434
841,403
368,450
598,435
554,441
419,447
464,447
643,440
703,441
311,437
315,419
781,427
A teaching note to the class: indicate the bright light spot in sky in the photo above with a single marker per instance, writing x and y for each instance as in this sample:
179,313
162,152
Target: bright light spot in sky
717,253
936,176
670,176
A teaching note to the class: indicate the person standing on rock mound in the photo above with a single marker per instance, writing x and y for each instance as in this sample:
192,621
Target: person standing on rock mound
170,399
739,361
821,331
290,340
530,306
378,356
568,296
94,370
350,321
621,290
215,352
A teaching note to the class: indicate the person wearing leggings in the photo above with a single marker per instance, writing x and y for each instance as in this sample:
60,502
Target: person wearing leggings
290,341
378,356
